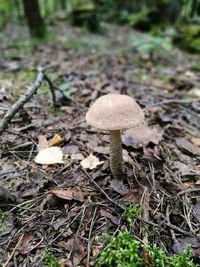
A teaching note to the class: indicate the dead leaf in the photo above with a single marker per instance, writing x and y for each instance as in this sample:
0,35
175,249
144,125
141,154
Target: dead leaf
24,245
69,194
141,136
7,225
195,141
107,214
182,243
91,162
132,197
118,186
101,150
71,149
56,140
76,249
77,156
184,169
42,142
187,147
50,155
152,155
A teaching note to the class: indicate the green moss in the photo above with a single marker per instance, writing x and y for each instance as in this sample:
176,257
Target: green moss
122,251
50,259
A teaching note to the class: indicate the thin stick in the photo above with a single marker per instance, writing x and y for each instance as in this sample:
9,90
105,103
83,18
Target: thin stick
32,89
103,192
52,89
11,255
89,238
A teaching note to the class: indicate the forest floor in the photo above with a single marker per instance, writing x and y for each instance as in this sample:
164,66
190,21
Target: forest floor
65,209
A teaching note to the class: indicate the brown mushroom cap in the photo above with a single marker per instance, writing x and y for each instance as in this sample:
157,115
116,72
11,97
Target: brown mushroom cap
114,112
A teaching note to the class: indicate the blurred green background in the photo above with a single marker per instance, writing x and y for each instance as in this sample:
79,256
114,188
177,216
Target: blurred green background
178,18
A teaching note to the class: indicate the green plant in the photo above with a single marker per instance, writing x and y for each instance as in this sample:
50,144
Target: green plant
148,43
50,259
132,213
122,250
13,183
173,157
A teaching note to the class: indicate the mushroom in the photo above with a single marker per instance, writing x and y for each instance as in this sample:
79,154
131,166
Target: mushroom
114,113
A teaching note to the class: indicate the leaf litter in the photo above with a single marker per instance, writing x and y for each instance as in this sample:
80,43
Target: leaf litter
68,207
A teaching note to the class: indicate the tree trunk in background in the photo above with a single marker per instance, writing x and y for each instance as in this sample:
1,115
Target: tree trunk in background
34,19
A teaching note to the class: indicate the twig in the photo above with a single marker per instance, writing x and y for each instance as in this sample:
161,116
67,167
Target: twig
169,101
89,238
103,192
32,89
52,89
145,204
11,255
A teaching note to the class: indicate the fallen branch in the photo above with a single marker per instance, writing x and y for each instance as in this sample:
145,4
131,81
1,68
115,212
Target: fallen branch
32,89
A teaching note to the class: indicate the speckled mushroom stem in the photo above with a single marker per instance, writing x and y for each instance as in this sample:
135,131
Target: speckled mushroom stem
115,153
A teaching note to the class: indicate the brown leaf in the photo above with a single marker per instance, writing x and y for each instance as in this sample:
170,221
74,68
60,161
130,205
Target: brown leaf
101,150
56,140
71,149
195,141
184,169
141,136
118,186
77,157
107,214
24,245
187,147
132,197
152,156
76,249
69,194
42,142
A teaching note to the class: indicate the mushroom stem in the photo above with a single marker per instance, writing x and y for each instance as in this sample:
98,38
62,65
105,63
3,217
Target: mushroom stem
115,153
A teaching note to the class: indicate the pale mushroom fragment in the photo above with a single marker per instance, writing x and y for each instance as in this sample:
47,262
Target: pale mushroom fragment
114,113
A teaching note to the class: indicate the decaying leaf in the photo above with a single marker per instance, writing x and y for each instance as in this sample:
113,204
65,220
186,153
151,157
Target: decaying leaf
69,194
107,214
91,162
76,249
42,142
56,140
77,157
195,141
187,147
141,136
50,155
118,186
25,244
